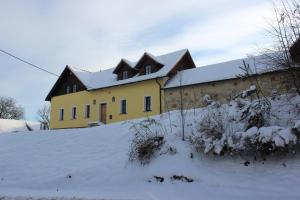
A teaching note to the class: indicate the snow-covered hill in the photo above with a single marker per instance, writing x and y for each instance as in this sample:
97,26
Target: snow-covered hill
93,163
11,125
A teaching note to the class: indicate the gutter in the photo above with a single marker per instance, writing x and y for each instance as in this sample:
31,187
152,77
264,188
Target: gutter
160,89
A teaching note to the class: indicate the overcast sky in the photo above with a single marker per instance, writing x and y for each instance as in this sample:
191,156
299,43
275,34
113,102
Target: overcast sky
95,35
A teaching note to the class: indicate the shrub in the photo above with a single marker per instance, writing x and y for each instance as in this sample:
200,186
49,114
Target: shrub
243,128
256,114
211,130
149,137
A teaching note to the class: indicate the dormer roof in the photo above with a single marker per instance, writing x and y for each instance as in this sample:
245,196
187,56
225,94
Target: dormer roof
130,64
147,55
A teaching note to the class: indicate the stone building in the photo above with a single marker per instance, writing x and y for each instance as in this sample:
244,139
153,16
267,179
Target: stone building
222,82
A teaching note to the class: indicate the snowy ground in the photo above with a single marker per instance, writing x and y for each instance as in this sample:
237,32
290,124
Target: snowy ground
93,163
11,125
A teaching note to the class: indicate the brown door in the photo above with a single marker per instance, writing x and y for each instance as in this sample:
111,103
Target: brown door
103,113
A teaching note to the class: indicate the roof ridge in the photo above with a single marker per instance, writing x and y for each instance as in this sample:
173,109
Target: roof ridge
129,62
177,51
238,59
153,57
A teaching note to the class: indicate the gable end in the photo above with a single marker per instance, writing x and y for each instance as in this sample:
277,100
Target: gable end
66,79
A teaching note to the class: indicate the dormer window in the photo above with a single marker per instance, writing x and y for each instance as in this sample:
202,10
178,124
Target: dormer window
125,69
148,69
125,75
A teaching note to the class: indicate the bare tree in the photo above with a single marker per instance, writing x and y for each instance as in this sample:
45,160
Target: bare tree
9,109
182,109
286,31
250,75
44,115
169,116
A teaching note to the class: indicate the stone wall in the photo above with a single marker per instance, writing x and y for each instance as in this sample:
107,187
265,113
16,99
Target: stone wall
225,90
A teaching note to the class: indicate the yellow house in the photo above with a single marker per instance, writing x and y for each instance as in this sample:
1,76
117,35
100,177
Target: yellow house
130,90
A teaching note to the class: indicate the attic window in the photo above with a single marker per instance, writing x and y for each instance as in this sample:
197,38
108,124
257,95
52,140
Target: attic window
148,69
74,88
125,74
68,89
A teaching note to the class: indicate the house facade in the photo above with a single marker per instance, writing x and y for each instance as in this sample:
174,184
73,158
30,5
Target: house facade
130,90
153,85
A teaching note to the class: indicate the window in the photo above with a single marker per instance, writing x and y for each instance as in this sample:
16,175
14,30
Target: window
87,111
148,69
125,74
74,113
123,107
74,87
61,114
147,104
68,89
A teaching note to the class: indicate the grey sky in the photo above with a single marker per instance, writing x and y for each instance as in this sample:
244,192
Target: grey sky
96,34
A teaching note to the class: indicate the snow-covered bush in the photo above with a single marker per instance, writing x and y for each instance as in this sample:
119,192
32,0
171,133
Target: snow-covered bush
211,131
259,142
207,100
149,137
265,141
256,113
248,92
297,126
243,127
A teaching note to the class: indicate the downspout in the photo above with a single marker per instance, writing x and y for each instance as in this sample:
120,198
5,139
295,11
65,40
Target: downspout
159,85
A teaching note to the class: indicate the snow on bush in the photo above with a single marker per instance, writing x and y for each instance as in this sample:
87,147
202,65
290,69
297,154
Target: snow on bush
242,127
256,113
297,126
207,99
246,93
263,141
149,137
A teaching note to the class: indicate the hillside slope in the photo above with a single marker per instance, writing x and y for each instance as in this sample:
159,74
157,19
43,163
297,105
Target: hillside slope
93,163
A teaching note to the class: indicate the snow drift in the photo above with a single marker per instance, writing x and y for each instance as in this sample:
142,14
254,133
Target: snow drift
11,125
93,163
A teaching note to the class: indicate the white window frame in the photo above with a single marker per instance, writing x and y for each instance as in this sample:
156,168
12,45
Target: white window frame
73,114
85,111
125,74
145,104
74,88
61,114
121,106
68,89
148,69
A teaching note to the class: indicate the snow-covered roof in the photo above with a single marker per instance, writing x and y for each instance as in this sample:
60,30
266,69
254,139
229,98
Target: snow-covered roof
106,78
130,63
216,72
